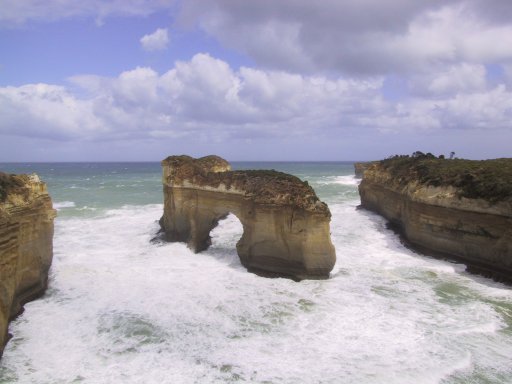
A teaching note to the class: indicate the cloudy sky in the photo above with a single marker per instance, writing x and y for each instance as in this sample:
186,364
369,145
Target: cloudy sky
138,80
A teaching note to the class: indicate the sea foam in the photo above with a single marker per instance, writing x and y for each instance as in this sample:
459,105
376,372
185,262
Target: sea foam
63,204
124,309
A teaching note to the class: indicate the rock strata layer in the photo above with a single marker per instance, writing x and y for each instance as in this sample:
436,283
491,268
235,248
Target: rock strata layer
26,244
285,225
427,201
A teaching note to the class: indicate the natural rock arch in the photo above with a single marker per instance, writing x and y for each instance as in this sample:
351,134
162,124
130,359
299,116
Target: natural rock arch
285,225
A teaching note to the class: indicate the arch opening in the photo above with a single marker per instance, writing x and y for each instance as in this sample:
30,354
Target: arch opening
224,238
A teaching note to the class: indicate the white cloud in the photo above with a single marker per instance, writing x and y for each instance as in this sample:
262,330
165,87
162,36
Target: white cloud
489,110
138,87
49,111
206,98
455,79
202,96
156,41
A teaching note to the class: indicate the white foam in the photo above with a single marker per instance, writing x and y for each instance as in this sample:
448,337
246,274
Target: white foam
86,208
121,309
342,180
63,204
347,180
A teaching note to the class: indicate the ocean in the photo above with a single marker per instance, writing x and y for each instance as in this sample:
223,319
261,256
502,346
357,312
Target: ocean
121,308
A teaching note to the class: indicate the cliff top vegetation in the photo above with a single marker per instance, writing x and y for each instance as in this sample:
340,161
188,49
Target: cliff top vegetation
490,180
262,186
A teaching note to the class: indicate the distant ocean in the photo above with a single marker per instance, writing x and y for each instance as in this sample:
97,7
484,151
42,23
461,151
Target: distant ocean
123,309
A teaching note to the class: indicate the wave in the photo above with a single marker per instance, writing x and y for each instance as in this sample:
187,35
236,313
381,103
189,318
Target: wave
63,204
342,180
347,180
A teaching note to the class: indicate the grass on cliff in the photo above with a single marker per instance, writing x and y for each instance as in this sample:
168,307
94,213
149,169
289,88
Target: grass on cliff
490,180
262,186
267,186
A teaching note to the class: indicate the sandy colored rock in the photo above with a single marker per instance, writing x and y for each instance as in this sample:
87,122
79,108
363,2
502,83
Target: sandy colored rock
439,220
26,244
286,226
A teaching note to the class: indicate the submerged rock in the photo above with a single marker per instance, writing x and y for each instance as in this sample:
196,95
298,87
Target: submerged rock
26,244
460,209
286,226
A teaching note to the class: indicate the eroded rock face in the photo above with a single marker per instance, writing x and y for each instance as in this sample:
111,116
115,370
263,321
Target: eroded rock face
286,226
438,220
359,168
26,244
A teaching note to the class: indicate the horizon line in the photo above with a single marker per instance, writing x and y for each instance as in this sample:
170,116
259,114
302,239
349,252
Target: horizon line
158,161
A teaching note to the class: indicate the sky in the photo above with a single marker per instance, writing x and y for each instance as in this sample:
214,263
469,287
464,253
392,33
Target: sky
287,80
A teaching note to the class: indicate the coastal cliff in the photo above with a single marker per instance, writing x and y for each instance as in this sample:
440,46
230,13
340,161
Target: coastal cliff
26,244
286,227
460,209
360,167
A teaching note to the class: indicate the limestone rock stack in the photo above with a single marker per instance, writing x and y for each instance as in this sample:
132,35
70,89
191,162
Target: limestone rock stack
286,226
26,244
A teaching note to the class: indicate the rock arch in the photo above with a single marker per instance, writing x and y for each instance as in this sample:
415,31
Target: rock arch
285,225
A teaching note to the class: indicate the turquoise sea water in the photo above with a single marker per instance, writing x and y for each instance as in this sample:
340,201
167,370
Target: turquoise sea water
123,309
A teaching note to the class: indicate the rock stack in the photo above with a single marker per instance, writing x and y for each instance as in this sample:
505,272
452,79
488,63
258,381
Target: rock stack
286,226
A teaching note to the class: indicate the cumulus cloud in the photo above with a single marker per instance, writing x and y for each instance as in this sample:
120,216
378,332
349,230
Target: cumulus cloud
205,97
451,80
47,111
490,110
156,41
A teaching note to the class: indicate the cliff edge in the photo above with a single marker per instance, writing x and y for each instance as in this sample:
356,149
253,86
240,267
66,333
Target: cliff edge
26,244
286,227
461,209
360,167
